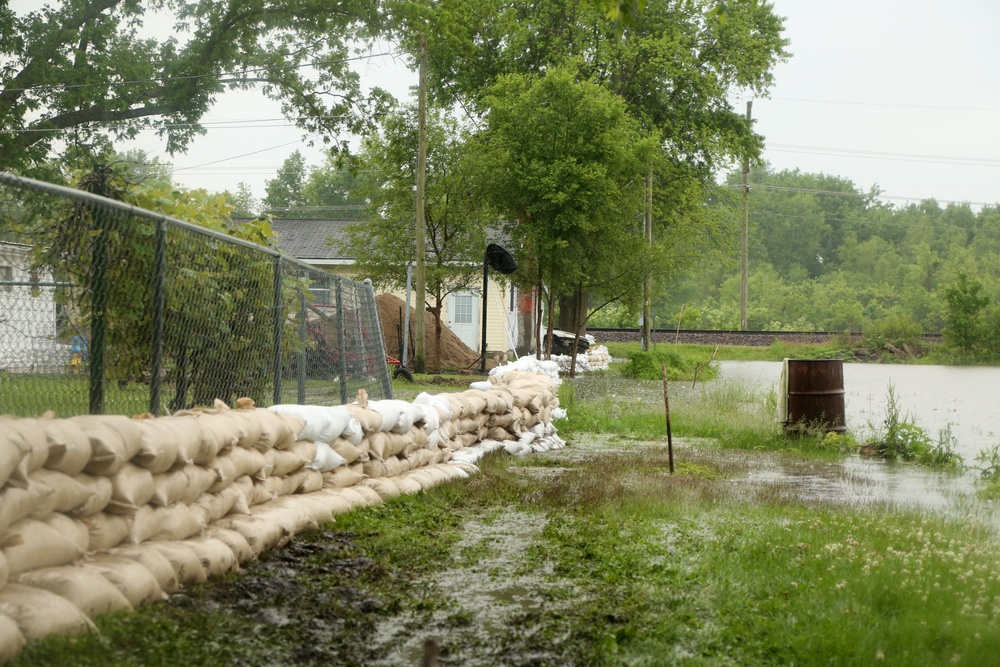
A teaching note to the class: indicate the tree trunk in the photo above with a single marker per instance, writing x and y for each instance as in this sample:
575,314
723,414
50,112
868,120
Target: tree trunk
577,324
573,312
436,311
552,321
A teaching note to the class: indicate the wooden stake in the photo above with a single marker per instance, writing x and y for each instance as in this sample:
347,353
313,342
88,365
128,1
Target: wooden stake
666,404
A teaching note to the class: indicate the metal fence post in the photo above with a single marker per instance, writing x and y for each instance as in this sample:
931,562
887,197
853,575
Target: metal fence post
341,342
159,307
277,328
380,361
98,322
302,348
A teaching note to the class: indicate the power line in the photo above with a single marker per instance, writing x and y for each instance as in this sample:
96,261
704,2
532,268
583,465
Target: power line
835,193
236,157
886,104
882,155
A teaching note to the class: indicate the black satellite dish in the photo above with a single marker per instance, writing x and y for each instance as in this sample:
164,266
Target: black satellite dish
500,259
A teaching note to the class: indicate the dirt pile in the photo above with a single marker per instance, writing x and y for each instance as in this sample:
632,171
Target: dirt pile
455,355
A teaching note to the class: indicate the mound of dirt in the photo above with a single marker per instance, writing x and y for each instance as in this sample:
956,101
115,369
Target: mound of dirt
455,355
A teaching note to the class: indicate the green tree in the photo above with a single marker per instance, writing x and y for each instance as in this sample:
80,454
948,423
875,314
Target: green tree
286,191
456,213
965,319
78,73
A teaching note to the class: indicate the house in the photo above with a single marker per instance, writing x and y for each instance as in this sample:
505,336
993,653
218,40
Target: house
28,315
509,315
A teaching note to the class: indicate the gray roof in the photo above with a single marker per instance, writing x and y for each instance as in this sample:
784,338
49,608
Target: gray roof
308,239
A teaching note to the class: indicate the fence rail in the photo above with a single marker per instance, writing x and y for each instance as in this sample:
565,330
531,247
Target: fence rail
106,307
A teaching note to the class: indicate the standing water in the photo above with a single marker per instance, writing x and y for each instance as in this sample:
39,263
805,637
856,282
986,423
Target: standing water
964,398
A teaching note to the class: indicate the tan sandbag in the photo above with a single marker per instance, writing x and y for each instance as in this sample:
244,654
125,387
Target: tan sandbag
261,533
29,544
284,511
421,458
34,497
176,522
422,478
358,495
4,570
39,613
304,448
396,466
169,487
200,480
385,487
419,437
497,433
154,561
283,486
215,556
346,450
186,565
442,456
293,425
341,477
466,425
12,642
407,485
460,406
106,531
69,447
220,432
28,439
249,462
69,528
259,492
312,481
371,421
385,445
276,430
250,427
477,401
225,472
131,488
286,461
161,441
316,508
214,506
374,468
87,590
114,440
232,539
130,577
502,420
333,501
12,452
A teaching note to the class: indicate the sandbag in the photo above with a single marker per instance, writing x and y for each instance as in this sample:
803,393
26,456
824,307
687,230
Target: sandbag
312,480
406,484
259,492
326,458
215,556
69,447
250,427
286,513
360,495
33,498
131,488
385,445
292,425
29,444
78,496
232,539
214,506
225,472
186,565
169,487
106,530
12,452
353,432
374,468
176,522
29,544
333,502
39,613
430,418
71,529
341,477
276,430
154,561
261,533
385,487
114,439
438,401
4,570
322,423
219,432
395,465
476,400
283,486
130,577
86,589
12,641
347,450
286,461
200,480
249,462
162,441
370,420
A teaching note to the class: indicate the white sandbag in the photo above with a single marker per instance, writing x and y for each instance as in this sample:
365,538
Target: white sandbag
466,467
154,561
438,401
186,565
30,544
12,641
131,488
114,440
69,447
326,458
517,448
87,590
130,577
322,423
106,531
39,613
215,555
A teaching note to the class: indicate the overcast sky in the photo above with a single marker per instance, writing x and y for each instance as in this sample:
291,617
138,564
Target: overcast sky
890,93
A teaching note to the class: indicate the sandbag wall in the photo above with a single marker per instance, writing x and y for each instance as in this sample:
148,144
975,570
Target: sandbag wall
104,513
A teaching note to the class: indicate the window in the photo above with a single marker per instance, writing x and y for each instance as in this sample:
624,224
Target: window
464,309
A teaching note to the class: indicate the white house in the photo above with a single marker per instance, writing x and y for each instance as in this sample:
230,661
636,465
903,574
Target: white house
28,329
508,315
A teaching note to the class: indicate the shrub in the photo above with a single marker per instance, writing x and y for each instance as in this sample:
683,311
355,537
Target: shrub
646,365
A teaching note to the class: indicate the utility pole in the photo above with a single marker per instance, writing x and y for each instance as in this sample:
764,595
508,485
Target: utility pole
745,235
647,281
421,297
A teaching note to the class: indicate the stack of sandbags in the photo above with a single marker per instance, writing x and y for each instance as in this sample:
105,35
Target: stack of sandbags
530,365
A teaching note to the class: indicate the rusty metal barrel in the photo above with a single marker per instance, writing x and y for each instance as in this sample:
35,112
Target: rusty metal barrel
816,394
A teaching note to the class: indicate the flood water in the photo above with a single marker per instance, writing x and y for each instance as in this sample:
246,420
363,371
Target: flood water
964,398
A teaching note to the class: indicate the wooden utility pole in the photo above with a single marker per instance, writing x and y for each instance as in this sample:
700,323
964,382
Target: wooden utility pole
745,235
647,281
421,285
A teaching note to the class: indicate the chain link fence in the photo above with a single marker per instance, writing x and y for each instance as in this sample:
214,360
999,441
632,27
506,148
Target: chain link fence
108,308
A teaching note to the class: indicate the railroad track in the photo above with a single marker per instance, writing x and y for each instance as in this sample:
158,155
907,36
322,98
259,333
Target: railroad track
705,337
